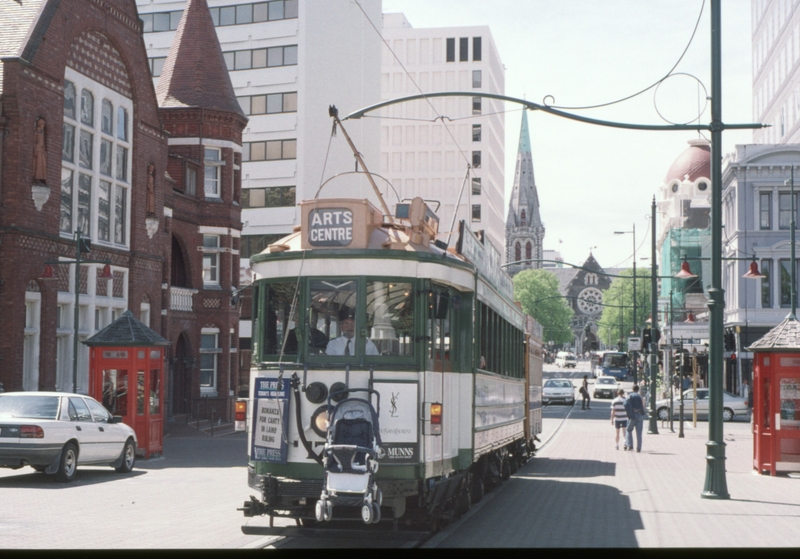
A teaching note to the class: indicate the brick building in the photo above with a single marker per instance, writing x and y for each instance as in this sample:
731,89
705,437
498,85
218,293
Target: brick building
84,147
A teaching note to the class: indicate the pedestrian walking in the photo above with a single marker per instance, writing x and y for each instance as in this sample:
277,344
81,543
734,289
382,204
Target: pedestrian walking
585,393
635,410
619,417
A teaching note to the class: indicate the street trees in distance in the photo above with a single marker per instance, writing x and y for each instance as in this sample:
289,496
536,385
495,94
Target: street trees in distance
616,322
537,291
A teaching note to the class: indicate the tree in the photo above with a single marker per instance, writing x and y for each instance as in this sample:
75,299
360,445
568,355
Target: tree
617,319
537,291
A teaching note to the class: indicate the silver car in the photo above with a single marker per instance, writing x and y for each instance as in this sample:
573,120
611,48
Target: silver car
54,432
558,390
732,406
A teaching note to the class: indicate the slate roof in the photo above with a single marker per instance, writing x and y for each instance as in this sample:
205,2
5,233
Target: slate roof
195,73
784,337
126,331
16,19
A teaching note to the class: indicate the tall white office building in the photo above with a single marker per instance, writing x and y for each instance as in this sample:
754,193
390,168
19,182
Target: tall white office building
776,70
428,156
288,61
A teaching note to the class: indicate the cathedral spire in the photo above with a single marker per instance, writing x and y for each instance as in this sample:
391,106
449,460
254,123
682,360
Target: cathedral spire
524,227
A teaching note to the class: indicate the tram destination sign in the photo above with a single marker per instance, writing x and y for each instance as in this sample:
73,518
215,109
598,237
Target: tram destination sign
330,227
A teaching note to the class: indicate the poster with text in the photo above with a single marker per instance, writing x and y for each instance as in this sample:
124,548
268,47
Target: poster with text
270,420
398,422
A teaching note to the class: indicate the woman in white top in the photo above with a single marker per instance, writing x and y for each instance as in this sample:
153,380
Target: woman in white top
619,418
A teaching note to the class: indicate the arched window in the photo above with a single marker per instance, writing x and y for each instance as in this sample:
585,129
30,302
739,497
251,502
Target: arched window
522,218
517,252
529,250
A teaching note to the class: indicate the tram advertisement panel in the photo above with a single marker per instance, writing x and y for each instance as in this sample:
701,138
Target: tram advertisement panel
398,422
270,420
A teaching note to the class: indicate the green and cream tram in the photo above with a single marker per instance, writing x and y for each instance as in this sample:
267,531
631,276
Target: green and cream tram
355,299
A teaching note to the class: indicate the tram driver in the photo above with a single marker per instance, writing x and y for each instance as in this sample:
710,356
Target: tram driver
345,343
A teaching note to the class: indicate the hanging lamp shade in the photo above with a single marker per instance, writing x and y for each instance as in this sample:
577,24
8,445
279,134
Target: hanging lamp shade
48,273
690,319
753,272
106,273
686,271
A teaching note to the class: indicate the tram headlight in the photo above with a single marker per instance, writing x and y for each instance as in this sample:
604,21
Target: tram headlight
319,421
316,392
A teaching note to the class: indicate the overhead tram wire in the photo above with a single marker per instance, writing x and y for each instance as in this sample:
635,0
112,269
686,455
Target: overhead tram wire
651,86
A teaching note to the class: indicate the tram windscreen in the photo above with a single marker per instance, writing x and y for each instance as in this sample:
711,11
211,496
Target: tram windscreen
390,317
277,320
333,317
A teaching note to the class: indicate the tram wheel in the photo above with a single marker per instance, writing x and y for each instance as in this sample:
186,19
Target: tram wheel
477,490
463,501
506,470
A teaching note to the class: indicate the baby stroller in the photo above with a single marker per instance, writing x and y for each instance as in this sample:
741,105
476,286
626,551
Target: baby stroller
350,458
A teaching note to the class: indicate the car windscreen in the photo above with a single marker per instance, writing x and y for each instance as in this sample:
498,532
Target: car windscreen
30,407
557,384
606,381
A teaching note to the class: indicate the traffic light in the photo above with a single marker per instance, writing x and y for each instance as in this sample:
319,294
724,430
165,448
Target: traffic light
679,365
730,341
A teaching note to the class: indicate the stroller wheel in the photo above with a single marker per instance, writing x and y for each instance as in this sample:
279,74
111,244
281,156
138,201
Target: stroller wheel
367,513
328,510
376,513
319,511
378,497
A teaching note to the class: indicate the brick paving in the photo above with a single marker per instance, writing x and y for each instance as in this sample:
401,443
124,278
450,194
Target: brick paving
581,492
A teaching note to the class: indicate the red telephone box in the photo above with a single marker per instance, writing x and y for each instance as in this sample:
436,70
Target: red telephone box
776,399
126,374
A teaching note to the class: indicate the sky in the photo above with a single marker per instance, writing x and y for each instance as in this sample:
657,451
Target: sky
595,180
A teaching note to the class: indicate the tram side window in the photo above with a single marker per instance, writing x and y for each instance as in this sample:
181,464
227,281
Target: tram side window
439,328
333,319
277,320
390,317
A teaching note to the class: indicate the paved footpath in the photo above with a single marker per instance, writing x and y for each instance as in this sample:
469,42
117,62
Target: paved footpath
581,492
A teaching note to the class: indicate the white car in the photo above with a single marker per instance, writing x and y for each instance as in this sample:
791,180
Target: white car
606,387
566,360
732,406
54,433
558,390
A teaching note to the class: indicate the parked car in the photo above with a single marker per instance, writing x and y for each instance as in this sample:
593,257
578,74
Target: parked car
732,406
566,360
558,390
605,387
55,432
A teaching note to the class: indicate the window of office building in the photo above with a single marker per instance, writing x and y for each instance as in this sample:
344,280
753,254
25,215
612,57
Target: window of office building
476,186
95,161
451,50
463,49
272,197
476,105
476,159
261,58
476,48
785,209
240,14
766,291
476,132
273,103
476,212
269,151
476,79
765,210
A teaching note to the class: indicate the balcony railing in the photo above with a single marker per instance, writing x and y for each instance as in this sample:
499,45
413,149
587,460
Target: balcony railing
181,298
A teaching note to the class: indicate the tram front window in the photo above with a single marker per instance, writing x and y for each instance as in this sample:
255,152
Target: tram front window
279,322
390,317
333,318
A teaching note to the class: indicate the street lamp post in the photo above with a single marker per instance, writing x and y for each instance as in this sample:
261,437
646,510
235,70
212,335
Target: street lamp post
633,232
652,428
81,245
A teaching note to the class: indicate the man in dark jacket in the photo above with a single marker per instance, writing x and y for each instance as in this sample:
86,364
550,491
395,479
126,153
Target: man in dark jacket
634,407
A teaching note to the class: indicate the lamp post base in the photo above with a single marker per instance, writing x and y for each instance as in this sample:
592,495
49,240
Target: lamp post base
716,486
